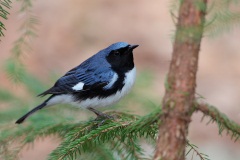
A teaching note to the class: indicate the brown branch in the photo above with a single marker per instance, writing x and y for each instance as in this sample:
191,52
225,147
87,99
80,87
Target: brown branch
181,82
220,118
193,148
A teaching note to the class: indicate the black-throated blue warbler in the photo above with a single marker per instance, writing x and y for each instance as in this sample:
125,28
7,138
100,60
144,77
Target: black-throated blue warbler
99,81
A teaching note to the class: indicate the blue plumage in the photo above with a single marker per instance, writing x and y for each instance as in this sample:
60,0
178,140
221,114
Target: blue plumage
88,73
95,70
115,46
103,79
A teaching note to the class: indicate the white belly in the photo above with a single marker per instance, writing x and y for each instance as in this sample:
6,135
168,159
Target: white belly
99,102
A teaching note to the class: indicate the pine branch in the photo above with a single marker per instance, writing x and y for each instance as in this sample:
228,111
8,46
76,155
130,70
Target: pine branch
16,138
99,135
130,149
222,17
224,123
125,129
14,66
194,148
7,152
4,6
102,153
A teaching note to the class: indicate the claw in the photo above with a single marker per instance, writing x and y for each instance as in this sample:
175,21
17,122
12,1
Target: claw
104,116
101,116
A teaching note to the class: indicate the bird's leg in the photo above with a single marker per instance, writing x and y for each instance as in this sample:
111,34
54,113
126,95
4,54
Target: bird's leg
99,114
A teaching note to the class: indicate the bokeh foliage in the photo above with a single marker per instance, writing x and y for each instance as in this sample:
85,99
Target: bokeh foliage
5,6
222,16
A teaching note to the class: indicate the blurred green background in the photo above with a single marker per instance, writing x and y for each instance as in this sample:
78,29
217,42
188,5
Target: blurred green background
71,31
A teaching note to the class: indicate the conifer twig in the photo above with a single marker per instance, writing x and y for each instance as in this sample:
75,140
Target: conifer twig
5,5
194,149
14,66
125,128
222,120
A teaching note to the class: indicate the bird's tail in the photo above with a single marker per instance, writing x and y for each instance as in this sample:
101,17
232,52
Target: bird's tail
44,104
20,120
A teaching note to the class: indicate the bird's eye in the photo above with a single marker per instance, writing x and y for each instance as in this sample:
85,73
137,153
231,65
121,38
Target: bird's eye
116,53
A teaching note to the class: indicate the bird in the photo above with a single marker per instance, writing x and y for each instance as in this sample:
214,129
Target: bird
100,81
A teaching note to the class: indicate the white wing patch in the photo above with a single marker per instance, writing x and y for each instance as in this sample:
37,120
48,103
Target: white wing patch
78,86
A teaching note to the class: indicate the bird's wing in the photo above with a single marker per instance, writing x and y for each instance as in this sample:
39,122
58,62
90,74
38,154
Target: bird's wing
82,78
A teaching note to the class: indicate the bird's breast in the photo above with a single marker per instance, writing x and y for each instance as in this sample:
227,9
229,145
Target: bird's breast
128,81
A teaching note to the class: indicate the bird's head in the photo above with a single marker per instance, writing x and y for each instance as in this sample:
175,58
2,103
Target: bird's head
120,56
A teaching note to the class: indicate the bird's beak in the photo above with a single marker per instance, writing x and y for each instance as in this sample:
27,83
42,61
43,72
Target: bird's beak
133,47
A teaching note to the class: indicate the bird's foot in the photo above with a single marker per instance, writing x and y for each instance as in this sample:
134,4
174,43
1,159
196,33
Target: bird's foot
104,116
101,116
